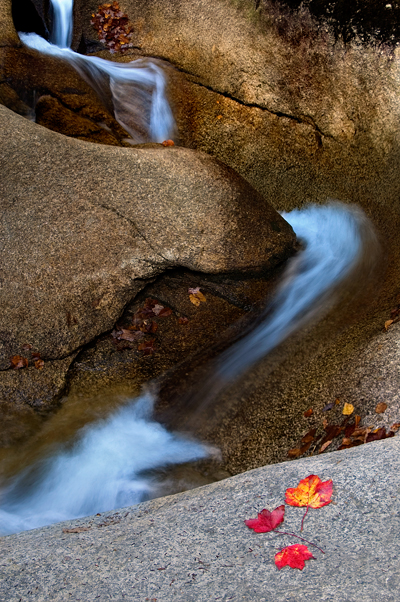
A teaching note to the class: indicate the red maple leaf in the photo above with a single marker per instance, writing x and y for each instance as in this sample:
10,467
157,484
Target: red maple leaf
311,492
266,521
293,556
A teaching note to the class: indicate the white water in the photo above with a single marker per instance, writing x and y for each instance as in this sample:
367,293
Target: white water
102,469
100,472
137,88
62,22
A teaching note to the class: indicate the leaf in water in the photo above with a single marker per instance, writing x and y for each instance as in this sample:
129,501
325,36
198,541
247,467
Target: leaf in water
381,407
293,556
348,409
266,521
17,362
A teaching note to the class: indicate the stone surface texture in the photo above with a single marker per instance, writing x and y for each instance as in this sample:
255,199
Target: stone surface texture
194,547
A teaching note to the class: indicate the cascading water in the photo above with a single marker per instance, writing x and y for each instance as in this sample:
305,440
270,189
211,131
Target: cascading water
137,88
102,469
61,34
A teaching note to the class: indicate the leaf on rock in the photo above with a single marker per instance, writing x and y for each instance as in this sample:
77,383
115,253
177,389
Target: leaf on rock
381,407
324,446
147,347
113,28
196,296
266,521
127,335
168,143
311,492
309,436
294,453
329,406
388,323
293,556
183,320
17,362
39,364
166,311
308,413
348,409
395,427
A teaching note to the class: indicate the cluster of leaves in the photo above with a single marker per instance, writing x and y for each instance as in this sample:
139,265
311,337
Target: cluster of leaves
113,28
18,361
311,492
352,433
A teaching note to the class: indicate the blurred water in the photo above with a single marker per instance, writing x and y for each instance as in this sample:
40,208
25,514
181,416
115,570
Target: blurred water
61,34
138,89
101,470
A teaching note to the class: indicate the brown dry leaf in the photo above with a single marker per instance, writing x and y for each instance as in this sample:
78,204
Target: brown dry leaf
183,320
357,419
147,347
294,453
395,427
39,364
76,530
168,143
26,347
127,335
308,413
324,423
337,401
309,436
346,441
388,323
348,409
17,362
324,446
381,407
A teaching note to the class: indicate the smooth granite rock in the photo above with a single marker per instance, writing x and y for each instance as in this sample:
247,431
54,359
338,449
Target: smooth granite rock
194,546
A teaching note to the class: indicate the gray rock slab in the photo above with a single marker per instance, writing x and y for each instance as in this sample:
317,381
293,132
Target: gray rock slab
195,547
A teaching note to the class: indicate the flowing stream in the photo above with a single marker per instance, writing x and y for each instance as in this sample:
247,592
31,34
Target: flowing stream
102,468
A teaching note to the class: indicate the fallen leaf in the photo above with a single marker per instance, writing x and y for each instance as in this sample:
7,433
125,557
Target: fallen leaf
17,362
324,446
395,427
293,556
76,530
168,143
266,521
357,420
183,320
196,296
381,407
388,323
147,347
349,430
26,347
166,311
378,434
311,492
348,409
309,436
337,401
294,453
157,308
308,413
328,407
325,423
127,335
35,355
346,441
39,364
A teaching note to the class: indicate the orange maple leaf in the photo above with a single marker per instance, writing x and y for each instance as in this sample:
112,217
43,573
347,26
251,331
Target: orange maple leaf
310,492
293,556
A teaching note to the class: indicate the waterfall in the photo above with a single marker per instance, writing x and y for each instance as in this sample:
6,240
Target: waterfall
102,470
138,88
61,34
